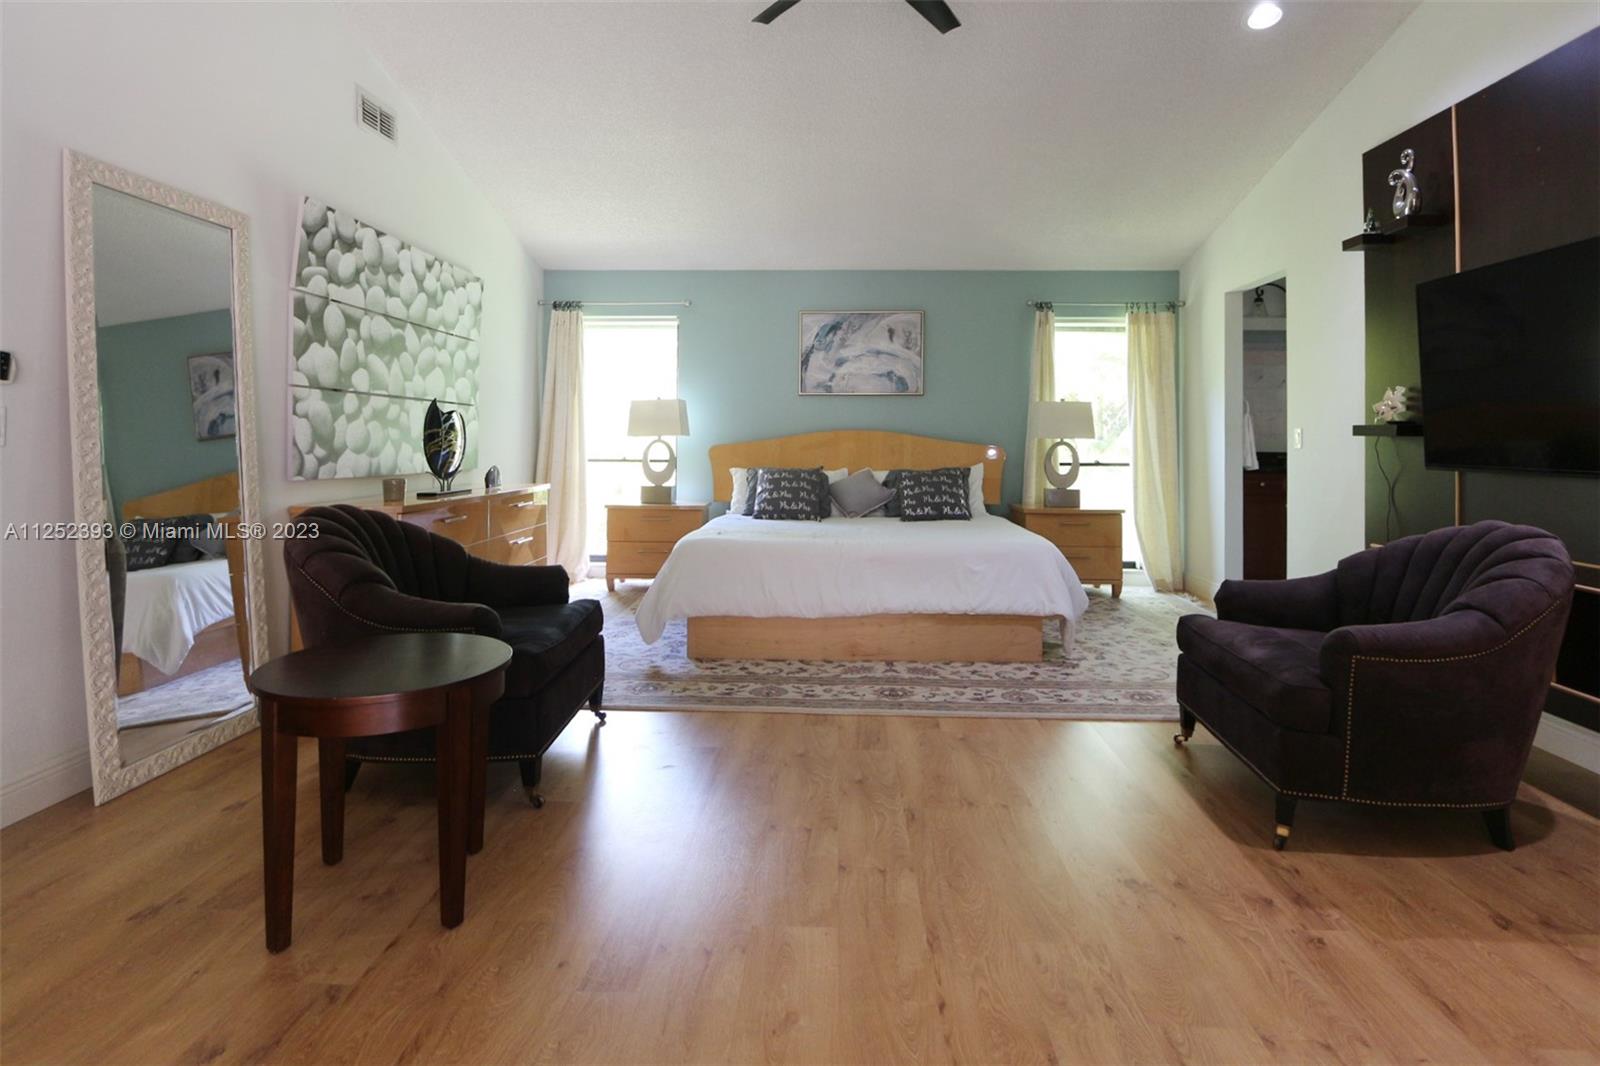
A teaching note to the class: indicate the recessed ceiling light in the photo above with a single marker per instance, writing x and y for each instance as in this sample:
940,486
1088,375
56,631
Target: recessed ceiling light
1264,15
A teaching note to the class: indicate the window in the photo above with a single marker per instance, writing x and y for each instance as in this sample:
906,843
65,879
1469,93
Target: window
1092,365
624,359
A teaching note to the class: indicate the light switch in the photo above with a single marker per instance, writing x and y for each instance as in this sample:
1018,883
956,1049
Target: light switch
1299,437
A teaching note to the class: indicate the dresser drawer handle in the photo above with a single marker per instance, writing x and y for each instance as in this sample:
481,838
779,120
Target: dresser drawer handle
453,518
520,540
526,503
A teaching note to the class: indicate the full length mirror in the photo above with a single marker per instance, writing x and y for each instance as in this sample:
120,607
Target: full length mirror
163,472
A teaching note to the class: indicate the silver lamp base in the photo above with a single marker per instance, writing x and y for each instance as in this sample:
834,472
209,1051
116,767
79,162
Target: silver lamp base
1061,498
655,493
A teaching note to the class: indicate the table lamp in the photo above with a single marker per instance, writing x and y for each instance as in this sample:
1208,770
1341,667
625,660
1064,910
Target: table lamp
658,419
1065,420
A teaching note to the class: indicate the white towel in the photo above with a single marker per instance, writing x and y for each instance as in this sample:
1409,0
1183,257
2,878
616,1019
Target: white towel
1250,460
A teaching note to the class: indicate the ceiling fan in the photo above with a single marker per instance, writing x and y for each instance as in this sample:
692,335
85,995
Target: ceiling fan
937,12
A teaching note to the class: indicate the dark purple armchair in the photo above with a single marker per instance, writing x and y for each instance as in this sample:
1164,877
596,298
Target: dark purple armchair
1412,675
367,573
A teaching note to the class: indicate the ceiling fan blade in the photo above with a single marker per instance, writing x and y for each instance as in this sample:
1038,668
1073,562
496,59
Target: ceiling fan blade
766,17
937,12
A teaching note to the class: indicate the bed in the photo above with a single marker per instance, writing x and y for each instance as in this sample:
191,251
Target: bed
863,588
180,618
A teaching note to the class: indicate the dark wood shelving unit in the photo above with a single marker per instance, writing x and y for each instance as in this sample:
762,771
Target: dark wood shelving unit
1395,231
1387,429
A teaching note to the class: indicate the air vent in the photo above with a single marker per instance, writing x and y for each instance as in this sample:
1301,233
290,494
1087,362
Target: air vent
374,116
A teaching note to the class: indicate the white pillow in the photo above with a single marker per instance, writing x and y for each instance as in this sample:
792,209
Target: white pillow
741,490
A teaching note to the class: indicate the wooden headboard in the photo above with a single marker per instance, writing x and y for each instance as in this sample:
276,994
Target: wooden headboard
855,449
212,495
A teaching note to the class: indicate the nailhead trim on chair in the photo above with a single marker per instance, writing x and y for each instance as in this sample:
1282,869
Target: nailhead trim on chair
1328,795
1350,703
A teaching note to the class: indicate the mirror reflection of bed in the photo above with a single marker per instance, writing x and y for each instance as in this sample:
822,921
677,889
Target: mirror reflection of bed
180,662
164,339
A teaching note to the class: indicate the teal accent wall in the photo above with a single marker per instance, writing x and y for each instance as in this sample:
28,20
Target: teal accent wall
738,348
147,422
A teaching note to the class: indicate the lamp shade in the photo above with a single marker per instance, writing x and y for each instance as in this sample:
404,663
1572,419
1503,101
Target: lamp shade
660,418
1061,420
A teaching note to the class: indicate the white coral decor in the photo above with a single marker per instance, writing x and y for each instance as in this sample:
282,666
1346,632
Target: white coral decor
1392,406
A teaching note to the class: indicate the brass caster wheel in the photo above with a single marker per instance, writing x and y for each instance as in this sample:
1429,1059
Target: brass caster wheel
1180,739
1280,839
535,799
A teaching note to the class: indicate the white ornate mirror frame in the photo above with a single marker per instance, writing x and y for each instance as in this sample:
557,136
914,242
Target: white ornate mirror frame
80,174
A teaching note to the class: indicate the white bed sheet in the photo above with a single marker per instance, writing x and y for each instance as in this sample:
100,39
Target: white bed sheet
166,607
748,567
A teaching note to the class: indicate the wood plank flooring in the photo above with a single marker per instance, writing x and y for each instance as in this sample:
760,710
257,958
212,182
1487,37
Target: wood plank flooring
730,887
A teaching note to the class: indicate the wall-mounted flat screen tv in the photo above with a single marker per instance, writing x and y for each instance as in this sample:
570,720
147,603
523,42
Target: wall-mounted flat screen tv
1511,364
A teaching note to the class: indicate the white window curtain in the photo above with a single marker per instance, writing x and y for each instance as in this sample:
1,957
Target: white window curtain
561,460
1153,397
1041,386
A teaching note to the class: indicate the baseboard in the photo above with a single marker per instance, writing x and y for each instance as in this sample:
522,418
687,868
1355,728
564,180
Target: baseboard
1570,742
65,775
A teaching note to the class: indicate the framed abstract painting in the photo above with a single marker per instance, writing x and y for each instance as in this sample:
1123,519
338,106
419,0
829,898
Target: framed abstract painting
211,395
861,353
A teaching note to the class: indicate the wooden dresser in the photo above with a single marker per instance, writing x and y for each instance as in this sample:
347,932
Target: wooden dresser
1091,540
640,536
507,525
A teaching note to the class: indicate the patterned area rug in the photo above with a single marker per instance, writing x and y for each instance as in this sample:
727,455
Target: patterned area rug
1122,666
210,693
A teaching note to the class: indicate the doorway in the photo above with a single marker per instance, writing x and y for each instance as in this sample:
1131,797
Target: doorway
1264,381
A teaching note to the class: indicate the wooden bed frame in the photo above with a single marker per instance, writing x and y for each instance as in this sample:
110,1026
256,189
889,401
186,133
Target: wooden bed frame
915,637
220,641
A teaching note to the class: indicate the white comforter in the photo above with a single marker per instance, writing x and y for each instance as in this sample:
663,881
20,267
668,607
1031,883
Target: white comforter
851,566
167,606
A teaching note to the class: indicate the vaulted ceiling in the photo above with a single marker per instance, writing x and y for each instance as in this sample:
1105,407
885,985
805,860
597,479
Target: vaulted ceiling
851,135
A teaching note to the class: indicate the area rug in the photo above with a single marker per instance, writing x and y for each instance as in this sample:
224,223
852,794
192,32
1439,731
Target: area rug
1123,665
210,693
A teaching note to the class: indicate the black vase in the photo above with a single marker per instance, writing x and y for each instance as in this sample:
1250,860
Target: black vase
444,445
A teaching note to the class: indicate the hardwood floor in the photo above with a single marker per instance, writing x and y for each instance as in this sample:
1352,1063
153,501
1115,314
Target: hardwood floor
742,887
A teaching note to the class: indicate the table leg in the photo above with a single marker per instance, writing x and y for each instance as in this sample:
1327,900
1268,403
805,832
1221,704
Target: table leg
330,778
278,755
454,748
477,770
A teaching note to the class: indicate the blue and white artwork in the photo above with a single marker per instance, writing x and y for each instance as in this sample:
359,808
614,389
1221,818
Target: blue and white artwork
861,353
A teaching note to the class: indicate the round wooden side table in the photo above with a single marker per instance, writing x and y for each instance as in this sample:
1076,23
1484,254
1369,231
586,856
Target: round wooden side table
377,685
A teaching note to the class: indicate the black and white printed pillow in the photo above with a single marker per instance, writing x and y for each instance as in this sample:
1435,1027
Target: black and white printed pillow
891,481
934,495
790,493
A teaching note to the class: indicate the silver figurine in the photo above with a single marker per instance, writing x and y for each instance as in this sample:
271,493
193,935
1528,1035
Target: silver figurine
1406,194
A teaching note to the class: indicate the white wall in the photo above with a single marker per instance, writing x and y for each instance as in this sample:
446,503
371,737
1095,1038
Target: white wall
1290,226
252,106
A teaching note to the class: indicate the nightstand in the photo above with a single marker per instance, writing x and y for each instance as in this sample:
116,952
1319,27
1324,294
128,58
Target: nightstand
1091,540
640,536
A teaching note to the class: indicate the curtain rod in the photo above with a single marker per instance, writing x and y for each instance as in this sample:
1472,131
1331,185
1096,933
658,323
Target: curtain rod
1119,303
620,303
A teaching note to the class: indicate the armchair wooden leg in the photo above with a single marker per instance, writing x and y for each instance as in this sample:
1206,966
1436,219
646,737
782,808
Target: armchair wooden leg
1498,821
1185,725
1285,818
352,767
596,700
531,769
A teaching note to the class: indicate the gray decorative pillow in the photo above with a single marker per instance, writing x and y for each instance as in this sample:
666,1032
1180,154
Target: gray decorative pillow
794,494
192,538
148,548
859,494
934,495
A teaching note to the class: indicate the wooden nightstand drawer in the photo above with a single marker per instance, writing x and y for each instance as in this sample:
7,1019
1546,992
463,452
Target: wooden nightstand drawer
1095,564
636,559
652,524
1080,531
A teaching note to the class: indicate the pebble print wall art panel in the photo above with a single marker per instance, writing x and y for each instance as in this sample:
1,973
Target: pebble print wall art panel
861,353
381,328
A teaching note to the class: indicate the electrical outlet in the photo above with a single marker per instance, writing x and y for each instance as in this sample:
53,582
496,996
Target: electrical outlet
1299,438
